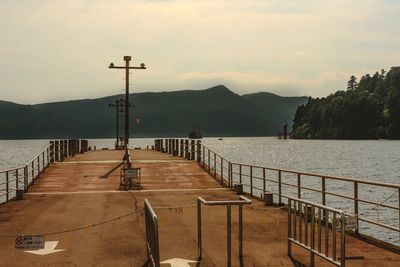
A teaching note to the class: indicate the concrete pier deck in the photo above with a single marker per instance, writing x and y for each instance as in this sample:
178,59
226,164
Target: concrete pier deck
72,197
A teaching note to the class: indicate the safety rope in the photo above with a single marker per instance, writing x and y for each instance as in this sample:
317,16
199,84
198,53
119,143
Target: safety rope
76,228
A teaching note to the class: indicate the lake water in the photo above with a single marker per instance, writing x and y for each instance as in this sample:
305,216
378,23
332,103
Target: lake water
370,160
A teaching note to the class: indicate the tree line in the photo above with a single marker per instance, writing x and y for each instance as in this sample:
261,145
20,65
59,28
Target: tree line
368,109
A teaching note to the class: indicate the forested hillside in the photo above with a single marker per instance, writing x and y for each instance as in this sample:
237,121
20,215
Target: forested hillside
368,109
219,111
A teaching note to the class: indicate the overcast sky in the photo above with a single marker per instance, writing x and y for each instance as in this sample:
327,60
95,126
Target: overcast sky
58,50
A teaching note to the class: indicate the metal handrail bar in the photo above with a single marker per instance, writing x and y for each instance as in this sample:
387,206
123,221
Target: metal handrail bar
347,179
152,243
295,211
314,204
228,203
12,169
242,201
38,155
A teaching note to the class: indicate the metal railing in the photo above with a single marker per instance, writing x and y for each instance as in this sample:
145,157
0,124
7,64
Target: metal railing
22,177
314,227
228,203
320,188
185,148
152,245
258,180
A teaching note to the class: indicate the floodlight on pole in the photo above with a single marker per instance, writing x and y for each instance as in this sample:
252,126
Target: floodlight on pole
127,59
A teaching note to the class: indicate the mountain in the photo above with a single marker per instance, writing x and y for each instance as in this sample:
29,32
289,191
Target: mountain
219,111
280,107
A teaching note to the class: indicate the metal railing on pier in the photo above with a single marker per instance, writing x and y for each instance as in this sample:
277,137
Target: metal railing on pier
315,228
22,177
326,190
152,245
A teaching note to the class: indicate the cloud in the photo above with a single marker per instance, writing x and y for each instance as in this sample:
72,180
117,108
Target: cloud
61,49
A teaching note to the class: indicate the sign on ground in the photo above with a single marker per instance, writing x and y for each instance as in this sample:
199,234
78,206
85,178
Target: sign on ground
29,242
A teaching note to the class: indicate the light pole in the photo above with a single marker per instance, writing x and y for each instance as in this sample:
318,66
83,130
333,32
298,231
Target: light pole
119,103
127,68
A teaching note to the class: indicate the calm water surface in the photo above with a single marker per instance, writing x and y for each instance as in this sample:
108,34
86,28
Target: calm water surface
371,160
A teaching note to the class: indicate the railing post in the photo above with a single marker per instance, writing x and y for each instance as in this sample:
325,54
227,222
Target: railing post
215,165
48,156
280,186
26,178
65,149
323,191
51,152
298,185
192,150
356,203
324,197
264,182
199,244
251,180
16,179
228,232
241,233
204,156
33,170
182,149
187,154
209,160
38,166
222,170
7,187
343,241
289,244
198,151
43,162
229,174
312,241
240,173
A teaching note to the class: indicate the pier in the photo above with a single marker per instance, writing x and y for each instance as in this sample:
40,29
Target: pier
73,197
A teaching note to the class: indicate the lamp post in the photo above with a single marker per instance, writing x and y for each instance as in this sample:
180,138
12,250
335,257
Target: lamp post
119,103
127,59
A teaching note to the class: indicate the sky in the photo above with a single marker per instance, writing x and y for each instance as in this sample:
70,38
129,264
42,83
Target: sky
61,50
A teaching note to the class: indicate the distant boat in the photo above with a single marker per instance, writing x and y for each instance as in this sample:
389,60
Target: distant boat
195,133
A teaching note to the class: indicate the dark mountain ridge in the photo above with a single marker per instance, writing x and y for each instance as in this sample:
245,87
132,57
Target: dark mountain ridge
219,111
